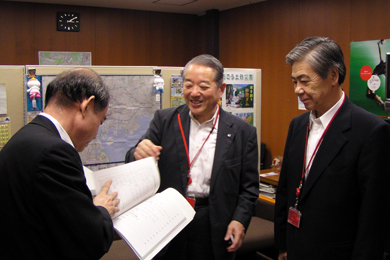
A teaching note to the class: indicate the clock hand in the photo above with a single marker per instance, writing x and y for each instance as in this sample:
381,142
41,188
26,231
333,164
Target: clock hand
71,20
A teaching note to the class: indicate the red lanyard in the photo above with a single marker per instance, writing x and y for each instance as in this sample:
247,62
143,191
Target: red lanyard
304,168
186,147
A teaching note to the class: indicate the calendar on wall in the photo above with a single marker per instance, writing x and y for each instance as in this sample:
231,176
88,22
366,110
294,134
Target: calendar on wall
5,130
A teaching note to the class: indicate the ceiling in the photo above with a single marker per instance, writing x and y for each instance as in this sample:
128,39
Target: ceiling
198,7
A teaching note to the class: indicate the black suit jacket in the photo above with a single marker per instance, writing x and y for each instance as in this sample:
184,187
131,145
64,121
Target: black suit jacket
345,199
234,186
47,209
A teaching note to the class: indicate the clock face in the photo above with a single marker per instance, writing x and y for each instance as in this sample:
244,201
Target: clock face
68,21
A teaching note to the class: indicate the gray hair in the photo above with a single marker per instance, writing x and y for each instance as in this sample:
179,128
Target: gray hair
322,53
208,61
74,86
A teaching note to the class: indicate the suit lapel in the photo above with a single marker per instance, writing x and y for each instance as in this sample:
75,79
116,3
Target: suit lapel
225,137
297,149
181,154
333,142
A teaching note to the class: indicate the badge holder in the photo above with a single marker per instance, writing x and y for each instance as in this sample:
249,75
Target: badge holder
294,217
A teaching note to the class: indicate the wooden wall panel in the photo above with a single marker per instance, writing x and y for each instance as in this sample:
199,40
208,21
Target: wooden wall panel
114,36
330,18
140,38
278,33
370,20
260,36
173,38
237,31
17,33
202,35
47,38
121,37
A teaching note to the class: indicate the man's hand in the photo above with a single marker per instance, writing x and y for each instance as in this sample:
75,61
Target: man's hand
146,149
236,229
107,200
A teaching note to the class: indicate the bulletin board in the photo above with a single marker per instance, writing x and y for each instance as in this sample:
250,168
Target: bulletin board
15,79
12,78
132,106
242,96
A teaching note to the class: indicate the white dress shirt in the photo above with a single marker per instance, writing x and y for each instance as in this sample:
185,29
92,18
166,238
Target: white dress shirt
63,134
201,167
317,127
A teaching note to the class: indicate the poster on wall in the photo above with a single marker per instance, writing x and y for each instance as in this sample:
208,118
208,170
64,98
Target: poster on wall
239,95
177,98
368,74
64,58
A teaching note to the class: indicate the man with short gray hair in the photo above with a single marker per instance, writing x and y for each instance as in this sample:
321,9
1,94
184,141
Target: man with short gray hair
211,158
332,198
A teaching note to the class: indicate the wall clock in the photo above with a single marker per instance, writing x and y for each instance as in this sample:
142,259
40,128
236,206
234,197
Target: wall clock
68,21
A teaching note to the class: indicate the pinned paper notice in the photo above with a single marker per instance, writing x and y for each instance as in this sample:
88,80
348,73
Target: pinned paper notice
3,99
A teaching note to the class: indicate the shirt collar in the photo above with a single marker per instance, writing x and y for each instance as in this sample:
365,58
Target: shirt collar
63,134
208,121
327,117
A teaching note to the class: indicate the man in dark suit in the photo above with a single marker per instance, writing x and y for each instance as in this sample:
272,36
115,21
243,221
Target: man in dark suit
47,208
211,157
332,199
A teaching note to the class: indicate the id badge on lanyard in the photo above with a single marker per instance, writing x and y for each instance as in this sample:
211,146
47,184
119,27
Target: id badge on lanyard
192,200
294,215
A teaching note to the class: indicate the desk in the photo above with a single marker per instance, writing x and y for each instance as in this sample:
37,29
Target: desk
270,180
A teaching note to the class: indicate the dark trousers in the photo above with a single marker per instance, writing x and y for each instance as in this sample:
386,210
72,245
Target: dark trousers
193,242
